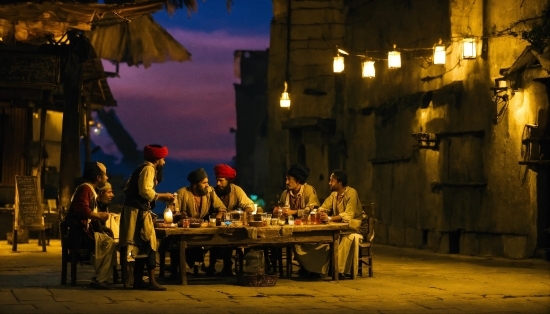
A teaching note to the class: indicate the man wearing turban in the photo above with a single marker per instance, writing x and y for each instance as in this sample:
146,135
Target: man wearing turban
298,194
137,232
198,200
297,197
83,225
233,197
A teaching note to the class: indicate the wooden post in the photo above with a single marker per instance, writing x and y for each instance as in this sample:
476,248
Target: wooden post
70,136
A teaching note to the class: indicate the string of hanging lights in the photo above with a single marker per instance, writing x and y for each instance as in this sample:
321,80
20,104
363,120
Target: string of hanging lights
439,56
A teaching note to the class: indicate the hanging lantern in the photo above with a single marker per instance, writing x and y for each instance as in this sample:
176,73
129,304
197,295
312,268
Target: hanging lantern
338,65
469,48
439,56
368,69
394,59
284,101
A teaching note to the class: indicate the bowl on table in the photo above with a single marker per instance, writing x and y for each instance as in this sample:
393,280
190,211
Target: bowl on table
195,224
255,223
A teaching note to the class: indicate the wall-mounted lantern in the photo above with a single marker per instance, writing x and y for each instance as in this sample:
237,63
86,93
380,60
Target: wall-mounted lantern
440,55
469,48
284,101
394,59
427,140
368,69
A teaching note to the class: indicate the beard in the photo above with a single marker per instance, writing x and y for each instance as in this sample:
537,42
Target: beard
200,191
222,191
160,173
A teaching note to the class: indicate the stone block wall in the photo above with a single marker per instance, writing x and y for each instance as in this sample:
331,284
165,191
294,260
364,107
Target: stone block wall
469,195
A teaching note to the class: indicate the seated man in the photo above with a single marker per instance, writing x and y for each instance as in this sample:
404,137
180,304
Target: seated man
104,198
298,195
197,200
84,228
233,197
342,205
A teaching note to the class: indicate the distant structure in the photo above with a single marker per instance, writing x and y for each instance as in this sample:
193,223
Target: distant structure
252,118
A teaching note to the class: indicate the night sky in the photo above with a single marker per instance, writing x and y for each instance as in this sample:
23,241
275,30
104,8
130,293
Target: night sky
190,106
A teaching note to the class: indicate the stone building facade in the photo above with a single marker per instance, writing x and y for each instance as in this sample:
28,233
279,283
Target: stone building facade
451,163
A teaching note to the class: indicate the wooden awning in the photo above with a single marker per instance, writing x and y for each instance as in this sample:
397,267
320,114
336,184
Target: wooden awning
141,41
30,21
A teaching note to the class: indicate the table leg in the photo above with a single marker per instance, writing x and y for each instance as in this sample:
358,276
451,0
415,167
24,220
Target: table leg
335,243
43,239
183,266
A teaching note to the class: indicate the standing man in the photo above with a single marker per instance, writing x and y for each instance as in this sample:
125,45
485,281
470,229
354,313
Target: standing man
85,231
298,193
233,197
342,205
137,232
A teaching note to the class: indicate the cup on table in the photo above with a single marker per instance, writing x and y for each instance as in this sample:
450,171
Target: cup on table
268,219
298,221
318,218
212,221
264,219
312,219
186,223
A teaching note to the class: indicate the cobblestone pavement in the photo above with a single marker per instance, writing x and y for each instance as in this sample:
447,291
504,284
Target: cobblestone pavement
405,280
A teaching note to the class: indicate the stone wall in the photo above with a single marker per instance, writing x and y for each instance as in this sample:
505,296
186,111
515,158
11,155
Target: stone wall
469,194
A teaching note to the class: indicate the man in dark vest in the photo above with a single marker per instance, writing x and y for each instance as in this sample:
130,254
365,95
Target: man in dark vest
137,231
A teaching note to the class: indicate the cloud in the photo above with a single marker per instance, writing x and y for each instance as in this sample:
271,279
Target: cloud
187,106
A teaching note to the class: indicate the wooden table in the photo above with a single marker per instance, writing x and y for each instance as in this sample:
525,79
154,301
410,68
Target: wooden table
252,236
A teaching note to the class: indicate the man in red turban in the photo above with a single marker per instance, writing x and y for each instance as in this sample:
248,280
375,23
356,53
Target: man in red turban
233,197
137,232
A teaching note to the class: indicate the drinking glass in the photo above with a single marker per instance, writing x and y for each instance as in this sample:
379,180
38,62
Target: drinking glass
312,219
212,220
227,221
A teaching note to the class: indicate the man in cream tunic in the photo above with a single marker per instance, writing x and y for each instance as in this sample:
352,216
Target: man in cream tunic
197,200
233,197
342,205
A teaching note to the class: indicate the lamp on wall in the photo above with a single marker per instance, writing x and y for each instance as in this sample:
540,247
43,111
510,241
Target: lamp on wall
284,101
501,96
338,64
394,59
469,48
439,56
368,69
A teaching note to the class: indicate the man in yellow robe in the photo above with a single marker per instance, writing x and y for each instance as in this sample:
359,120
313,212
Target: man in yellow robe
342,205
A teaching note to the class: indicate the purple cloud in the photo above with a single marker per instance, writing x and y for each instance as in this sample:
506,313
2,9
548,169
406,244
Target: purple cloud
187,106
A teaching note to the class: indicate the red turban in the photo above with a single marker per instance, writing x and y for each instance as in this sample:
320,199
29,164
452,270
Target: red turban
225,171
154,152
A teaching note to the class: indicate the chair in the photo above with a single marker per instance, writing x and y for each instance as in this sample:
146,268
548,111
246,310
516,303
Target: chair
365,246
68,255
74,256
